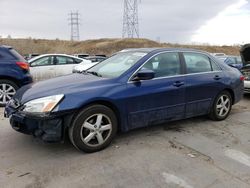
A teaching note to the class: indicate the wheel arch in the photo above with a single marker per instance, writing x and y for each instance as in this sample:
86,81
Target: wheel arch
106,103
16,81
231,93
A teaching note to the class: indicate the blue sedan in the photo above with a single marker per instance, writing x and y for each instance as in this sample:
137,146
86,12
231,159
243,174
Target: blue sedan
132,89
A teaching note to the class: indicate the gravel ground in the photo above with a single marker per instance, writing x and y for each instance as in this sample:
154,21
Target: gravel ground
191,153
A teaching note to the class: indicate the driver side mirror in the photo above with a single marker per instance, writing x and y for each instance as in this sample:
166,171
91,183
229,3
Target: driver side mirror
144,74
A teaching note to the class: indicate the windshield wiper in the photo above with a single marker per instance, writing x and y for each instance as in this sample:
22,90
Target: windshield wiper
94,73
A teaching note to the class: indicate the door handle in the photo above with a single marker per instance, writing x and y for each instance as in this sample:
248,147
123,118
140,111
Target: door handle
178,84
217,77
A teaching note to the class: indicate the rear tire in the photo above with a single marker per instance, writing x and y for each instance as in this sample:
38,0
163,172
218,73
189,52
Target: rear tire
7,91
221,107
93,129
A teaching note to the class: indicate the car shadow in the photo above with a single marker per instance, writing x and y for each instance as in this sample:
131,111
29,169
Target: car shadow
36,146
180,126
247,95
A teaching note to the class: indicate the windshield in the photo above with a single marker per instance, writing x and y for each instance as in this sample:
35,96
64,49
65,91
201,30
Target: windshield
116,65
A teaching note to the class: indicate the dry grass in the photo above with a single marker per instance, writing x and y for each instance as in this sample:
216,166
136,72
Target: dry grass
100,46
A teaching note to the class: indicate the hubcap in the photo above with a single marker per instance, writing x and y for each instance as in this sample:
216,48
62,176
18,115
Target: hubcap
6,93
96,130
223,105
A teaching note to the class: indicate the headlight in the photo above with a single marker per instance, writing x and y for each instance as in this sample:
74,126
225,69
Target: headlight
42,105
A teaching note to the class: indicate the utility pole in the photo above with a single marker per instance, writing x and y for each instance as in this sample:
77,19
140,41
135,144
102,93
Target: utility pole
130,19
74,18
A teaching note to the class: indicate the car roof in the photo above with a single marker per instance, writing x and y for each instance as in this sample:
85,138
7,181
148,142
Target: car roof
44,55
149,50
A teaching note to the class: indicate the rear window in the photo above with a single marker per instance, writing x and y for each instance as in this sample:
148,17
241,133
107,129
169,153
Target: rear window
16,55
4,54
197,63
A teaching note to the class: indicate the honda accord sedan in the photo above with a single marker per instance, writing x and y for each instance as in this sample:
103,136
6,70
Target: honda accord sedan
132,89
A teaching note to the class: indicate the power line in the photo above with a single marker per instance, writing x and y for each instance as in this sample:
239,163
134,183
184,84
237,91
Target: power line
130,19
74,18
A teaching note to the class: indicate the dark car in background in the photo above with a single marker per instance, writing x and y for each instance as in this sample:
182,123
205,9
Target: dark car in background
245,55
131,89
82,55
30,56
96,59
14,73
233,61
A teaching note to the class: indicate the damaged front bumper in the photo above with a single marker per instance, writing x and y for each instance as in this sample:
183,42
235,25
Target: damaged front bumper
49,127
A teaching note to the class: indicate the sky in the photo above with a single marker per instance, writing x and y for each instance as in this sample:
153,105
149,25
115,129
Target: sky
175,21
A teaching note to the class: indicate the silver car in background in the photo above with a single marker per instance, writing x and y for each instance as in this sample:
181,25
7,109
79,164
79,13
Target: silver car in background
52,65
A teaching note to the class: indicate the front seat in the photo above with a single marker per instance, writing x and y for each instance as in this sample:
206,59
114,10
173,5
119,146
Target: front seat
167,67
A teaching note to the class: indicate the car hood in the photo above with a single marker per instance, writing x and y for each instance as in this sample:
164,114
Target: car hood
60,85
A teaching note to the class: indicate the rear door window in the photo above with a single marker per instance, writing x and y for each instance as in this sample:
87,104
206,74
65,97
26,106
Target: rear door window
197,63
44,61
61,60
215,67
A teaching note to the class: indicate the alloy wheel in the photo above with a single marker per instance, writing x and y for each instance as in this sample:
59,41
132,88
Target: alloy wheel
6,93
223,105
96,130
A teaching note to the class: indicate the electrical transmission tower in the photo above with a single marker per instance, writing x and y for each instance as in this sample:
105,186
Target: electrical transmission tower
130,19
75,25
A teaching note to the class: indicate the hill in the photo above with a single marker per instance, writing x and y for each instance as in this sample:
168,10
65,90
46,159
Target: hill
100,46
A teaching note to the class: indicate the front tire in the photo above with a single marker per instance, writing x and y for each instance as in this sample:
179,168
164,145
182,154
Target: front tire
7,91
222,106
93,128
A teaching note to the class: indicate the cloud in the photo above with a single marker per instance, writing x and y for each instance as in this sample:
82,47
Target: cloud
229,27
171,20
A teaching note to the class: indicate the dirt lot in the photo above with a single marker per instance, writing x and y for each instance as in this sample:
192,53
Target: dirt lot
190,153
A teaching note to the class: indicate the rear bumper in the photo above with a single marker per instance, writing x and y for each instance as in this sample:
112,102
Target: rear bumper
51,128
27,79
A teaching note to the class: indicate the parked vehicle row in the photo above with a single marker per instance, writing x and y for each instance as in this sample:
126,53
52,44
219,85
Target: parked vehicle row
132,89
16,71
52,65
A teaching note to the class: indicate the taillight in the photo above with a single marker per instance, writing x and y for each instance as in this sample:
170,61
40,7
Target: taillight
23,65
242,78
